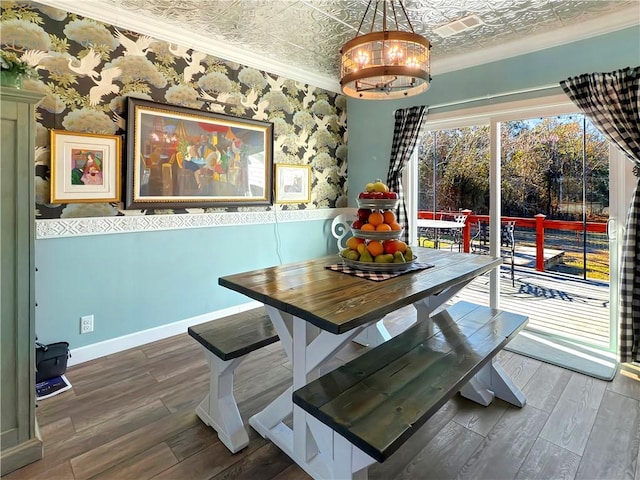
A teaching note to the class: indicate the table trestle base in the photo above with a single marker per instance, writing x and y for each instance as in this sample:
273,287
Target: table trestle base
374,335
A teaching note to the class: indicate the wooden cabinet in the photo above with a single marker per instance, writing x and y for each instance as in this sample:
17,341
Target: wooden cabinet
20,443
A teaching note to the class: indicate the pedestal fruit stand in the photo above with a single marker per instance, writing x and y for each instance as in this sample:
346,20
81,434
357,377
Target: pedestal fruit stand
375,244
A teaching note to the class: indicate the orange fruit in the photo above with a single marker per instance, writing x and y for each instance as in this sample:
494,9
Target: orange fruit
375,248
376,218
395,226
383,227
367,227
353,242
402,247
389,217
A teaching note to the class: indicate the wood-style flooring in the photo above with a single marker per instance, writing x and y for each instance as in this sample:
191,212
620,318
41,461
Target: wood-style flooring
131,416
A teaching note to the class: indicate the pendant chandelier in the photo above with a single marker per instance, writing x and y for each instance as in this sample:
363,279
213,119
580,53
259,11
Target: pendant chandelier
385,64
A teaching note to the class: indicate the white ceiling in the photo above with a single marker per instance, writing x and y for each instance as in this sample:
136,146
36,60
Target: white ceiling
301,39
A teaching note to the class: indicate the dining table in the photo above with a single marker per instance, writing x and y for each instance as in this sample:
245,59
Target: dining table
318,307
437,226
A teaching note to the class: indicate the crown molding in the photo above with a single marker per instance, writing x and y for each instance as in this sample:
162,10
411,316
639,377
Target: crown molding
599,26
135,221
106,13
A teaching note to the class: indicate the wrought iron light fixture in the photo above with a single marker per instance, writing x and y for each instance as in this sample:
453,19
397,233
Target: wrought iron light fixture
385,64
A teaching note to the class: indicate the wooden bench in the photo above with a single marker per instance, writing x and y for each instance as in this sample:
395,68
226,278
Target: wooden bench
378,400
226,342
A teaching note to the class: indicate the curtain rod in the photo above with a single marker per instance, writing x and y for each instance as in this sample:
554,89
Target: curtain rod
491,97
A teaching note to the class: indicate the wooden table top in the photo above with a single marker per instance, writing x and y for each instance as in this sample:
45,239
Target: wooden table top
338,302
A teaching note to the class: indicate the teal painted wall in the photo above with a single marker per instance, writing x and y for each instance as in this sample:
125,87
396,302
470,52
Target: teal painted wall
371,123
136,281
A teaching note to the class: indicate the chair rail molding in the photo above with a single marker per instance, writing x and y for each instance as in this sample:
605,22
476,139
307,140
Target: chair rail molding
75,227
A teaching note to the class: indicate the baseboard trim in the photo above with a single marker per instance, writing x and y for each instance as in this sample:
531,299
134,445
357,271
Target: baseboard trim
115,345
21,455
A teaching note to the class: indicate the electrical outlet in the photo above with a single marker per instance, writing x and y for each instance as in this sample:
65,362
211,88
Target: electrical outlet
86,324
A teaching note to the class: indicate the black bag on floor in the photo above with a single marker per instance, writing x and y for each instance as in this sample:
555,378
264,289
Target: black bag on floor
51,360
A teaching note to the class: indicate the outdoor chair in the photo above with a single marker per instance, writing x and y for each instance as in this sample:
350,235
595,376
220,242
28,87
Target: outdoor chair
480,241
423,236
456,233
480,237
507,239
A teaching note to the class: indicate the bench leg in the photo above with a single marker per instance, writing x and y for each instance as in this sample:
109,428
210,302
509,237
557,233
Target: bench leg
476,391
492,381
344,462
219,408
502,386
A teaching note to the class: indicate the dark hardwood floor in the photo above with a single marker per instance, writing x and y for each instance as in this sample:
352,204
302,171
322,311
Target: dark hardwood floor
131,416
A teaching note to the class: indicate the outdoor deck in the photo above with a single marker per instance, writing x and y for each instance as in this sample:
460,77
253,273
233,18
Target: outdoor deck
556,303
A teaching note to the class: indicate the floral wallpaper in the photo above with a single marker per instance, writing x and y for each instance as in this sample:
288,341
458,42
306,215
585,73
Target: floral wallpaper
87,70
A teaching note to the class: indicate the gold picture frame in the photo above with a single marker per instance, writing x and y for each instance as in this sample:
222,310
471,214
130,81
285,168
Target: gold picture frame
180,157
293,183
85,167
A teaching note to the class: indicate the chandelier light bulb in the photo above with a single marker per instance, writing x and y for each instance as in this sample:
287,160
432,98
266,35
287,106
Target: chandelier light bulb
395,55
412,62
362,59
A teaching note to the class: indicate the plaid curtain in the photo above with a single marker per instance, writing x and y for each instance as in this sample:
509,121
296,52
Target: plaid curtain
612,103
407,130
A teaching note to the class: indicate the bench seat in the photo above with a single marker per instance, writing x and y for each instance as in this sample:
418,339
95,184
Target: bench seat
378,400
236,335
226,342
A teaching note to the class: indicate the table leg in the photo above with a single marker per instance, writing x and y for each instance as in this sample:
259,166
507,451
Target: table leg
374,335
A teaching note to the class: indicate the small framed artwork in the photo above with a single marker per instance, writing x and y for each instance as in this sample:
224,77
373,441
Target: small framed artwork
179,157
85,167
293,183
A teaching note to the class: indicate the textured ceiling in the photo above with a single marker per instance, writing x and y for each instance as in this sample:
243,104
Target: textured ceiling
308,34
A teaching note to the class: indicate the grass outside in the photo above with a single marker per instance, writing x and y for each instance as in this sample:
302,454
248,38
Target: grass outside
597,265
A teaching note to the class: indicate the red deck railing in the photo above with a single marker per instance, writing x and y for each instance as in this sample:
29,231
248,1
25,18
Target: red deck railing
539,223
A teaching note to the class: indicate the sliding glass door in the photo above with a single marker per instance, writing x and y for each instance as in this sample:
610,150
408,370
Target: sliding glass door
530,163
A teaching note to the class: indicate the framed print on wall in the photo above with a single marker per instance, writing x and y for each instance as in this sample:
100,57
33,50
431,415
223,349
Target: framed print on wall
85,167
179,157
293,183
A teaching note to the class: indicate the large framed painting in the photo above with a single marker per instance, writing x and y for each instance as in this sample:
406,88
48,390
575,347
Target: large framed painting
85,167
179,157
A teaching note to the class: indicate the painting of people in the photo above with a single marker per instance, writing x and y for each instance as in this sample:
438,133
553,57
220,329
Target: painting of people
85,167
183,157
